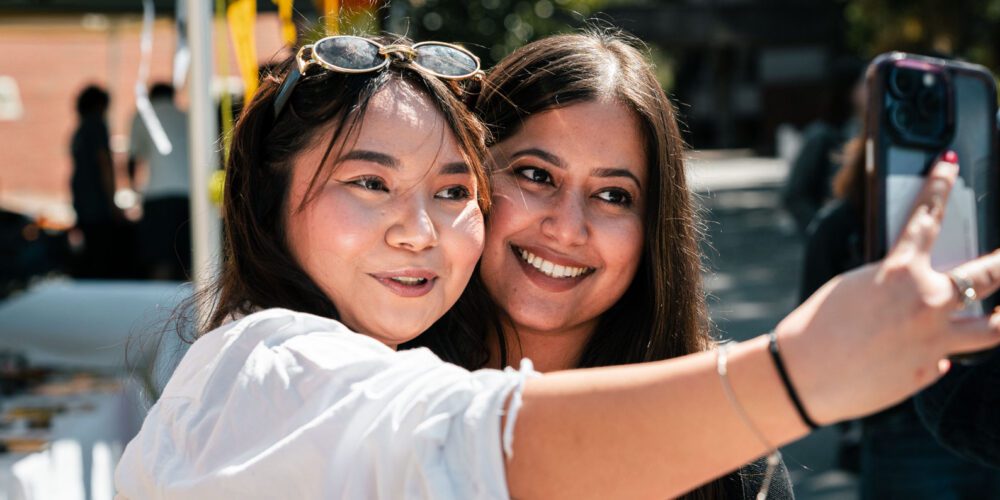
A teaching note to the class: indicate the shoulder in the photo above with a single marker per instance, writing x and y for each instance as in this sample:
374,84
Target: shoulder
820,130
265,345
837,216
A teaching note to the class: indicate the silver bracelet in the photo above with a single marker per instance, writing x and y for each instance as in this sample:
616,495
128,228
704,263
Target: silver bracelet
773,456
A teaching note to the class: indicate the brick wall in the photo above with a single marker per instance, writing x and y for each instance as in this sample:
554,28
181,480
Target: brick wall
52,59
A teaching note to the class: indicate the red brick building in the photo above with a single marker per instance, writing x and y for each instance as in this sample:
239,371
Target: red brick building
50,59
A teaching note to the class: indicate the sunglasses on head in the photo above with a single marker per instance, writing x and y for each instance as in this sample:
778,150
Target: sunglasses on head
353,54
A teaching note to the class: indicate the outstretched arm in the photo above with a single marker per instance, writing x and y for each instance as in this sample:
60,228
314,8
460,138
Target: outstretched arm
863,342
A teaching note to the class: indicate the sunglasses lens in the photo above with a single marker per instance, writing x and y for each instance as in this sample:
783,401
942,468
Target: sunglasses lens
445,60
348,52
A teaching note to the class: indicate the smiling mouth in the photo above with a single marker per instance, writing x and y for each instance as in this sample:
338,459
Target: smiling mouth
407,283
549,268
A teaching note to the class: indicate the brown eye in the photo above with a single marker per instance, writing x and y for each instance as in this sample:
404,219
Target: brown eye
616,197
370,183
534,174
454,193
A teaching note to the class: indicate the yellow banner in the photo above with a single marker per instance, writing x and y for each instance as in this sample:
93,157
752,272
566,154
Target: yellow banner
331,15
288,34
242,17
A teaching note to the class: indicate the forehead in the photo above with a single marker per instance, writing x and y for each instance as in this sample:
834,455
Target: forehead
601,133
402,120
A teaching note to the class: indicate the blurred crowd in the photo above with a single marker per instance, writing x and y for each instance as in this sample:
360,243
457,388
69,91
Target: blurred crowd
137,232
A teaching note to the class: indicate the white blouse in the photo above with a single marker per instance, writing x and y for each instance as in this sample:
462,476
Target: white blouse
291,405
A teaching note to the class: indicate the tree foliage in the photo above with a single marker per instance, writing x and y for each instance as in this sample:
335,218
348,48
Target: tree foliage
493,28
969,29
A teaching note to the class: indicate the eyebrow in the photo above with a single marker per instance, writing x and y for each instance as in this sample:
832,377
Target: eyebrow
388,161
455,167
558,162
616,172
541,153
372,156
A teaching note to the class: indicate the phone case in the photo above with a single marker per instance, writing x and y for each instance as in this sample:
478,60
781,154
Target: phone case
902,144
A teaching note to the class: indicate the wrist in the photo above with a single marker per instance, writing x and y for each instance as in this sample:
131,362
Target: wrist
806,378
758,387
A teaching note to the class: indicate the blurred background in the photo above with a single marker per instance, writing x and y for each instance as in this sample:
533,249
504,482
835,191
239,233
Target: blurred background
766,92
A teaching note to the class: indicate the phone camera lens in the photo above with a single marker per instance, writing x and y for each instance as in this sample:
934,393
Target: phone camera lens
903,116
905,82
929,103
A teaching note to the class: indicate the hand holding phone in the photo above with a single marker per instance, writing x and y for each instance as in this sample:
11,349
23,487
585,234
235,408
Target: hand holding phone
919,109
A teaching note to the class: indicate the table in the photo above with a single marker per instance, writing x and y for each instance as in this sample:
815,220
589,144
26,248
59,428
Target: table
86,442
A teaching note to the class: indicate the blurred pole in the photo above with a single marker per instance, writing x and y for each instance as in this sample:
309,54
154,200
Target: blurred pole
203,128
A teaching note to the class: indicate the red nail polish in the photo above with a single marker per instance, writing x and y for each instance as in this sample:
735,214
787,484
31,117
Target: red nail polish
950,156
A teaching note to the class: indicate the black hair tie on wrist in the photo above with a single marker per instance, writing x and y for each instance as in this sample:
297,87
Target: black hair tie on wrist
789,388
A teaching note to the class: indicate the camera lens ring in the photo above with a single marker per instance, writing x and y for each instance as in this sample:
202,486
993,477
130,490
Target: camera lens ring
904,82
903,116
930,102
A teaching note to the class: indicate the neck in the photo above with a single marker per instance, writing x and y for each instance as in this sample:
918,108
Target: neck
548,350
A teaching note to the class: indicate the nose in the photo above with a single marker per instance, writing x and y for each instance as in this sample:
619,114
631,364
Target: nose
413,229
566,220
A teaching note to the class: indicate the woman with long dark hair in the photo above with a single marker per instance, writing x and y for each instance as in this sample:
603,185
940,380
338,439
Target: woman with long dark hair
591,255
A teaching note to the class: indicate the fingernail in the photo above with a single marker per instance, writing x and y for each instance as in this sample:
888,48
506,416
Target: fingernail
943,366
950,156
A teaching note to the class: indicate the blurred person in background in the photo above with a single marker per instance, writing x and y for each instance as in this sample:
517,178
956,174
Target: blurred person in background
93,186
899,457
162,180
963,409
807,188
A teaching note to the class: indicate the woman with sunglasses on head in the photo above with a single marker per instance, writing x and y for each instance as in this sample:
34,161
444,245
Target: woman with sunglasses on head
354,195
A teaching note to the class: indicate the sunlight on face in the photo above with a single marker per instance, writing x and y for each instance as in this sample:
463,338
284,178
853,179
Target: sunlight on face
394,235
566,234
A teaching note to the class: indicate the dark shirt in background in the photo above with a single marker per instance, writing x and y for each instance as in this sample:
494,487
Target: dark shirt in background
900,457
91,200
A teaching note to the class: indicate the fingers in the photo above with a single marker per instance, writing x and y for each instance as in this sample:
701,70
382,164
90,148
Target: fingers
924,224
974,334
984,273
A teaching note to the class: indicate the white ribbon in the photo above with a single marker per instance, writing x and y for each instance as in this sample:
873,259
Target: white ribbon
182,56
142,104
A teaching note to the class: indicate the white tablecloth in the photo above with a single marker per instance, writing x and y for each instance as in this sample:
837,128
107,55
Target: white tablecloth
88,325
86,442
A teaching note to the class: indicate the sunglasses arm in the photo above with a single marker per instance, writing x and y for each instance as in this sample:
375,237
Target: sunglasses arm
286,91
304,60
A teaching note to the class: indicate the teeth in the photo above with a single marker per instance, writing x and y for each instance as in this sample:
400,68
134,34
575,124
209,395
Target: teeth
409,281
550,268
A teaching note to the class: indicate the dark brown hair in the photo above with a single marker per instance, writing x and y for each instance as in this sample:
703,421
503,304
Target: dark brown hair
258,270
662,314
850,184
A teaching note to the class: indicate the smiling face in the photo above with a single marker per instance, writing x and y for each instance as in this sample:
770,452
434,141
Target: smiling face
566,234
394,234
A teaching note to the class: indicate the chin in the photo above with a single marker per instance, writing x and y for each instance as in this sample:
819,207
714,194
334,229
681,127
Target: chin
541,321
389,331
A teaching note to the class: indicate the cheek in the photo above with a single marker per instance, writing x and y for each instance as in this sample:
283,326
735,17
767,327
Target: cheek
620,243
512,212
331,233
466,238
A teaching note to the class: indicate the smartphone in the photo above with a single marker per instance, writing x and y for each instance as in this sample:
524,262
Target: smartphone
918,108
